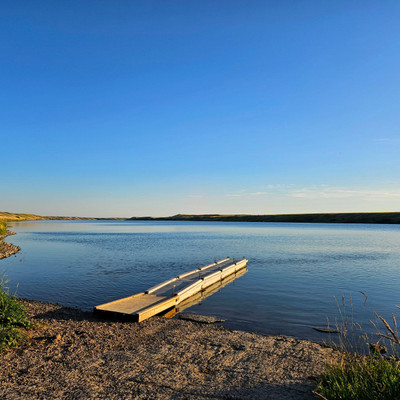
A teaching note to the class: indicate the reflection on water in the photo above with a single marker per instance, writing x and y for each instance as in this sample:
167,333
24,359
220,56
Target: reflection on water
294,270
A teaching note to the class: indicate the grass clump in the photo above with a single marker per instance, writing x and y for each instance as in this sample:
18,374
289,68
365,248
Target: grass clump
13,319
11,337
3,227
361,378
371,375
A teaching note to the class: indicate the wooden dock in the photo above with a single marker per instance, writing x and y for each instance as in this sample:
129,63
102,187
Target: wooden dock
173,292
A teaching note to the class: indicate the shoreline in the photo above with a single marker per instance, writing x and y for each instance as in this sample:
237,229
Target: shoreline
371,217
7,249
159,359
332,218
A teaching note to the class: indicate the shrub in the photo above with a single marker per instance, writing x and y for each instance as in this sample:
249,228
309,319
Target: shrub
12,319
3,227
10,337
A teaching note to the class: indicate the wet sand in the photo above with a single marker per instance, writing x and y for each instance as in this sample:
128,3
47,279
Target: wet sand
73,355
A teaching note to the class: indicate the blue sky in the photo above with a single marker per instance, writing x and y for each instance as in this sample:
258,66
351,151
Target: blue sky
162,107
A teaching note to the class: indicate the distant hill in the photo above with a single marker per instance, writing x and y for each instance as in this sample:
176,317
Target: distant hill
19,217
354,218
32,217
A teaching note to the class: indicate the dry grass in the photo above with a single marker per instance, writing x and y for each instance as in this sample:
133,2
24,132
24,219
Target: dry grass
15,217
5,216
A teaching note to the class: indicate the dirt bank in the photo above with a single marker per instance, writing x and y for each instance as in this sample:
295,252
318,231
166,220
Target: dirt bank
7,249
72,355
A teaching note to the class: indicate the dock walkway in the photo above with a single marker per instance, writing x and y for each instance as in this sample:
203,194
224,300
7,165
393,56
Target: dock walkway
172,292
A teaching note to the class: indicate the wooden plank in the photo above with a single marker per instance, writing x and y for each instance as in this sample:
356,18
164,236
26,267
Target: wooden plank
189,288
105,305
131,304
157,308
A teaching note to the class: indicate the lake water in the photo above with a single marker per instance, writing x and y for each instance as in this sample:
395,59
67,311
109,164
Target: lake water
294,270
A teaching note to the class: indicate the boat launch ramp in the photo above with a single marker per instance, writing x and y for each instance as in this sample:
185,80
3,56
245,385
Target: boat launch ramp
173,292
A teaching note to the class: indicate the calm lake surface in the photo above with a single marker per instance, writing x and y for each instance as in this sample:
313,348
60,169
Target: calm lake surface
294,270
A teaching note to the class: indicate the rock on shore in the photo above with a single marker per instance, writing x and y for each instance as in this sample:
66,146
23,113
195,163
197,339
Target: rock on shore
73,355
7,249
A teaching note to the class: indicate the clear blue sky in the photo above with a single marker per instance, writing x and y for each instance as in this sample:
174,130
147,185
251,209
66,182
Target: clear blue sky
122,108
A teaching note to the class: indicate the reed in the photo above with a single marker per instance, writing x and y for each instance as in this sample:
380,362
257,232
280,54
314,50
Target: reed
364,372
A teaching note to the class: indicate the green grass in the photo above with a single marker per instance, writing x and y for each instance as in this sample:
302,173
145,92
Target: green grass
11,337
361,378
3,227
13,319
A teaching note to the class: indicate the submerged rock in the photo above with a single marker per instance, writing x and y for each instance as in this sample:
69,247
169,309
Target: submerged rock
202,319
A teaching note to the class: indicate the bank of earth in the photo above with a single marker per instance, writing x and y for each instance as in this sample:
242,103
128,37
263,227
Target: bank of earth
7,249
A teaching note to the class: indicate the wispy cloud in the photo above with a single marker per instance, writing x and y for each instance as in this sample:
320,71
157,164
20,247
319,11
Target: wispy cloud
266,190
321,192
387,140
342,193
247,194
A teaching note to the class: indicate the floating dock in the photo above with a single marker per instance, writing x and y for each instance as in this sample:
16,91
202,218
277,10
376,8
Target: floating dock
173,292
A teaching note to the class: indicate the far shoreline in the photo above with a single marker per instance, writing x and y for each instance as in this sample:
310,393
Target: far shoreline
338,218
331,218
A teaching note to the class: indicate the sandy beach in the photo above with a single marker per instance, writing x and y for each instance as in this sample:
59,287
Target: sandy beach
73,355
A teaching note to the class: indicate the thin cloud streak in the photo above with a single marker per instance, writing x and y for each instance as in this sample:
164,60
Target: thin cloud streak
339,193
247,194
387,140
321,192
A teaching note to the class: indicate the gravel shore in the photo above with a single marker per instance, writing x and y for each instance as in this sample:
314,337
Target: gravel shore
73,355
7,249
